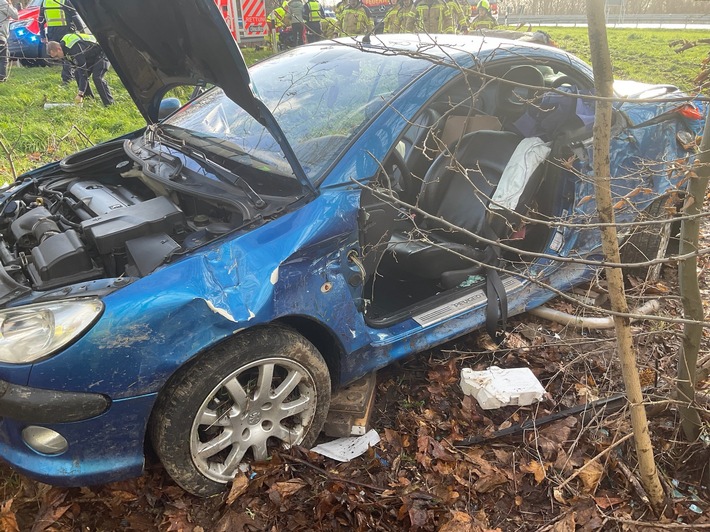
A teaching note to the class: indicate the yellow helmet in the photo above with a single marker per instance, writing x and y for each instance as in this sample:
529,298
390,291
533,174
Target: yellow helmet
484,4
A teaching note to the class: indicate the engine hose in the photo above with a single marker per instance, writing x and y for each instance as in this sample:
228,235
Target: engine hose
582,322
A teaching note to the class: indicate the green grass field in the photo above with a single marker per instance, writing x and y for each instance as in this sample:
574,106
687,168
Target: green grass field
31,135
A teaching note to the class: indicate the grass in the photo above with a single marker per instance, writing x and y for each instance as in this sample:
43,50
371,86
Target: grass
32,136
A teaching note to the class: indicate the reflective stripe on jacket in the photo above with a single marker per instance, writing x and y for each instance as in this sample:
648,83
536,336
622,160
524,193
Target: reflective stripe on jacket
401,19
70,39
355,21
483,22
313,9
430,16
454,18
54,14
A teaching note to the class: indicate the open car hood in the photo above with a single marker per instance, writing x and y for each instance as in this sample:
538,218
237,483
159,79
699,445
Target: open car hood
157,45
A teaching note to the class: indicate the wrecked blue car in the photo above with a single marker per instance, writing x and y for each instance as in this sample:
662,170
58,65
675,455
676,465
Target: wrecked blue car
204,285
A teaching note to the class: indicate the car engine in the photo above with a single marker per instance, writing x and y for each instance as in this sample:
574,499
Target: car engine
99,223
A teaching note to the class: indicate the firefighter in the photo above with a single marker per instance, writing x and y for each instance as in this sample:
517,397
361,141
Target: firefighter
86,55
313,14
354,19
456,17
279,21
430,16
56,19
483,20
402,18
329,27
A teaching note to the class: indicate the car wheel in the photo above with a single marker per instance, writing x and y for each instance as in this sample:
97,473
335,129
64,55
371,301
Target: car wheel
263,390
648,243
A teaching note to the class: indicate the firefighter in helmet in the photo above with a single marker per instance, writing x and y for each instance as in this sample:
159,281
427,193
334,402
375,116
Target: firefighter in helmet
402,18
354,19
483,20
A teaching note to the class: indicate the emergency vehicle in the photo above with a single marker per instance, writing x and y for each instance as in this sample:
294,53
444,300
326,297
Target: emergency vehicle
245,19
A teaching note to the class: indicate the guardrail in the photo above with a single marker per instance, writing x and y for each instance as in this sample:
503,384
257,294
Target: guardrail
613,19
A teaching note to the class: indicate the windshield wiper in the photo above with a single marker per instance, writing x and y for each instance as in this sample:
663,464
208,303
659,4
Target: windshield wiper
220,171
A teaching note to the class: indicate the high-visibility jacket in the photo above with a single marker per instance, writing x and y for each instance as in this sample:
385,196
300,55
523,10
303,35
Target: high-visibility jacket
278,18
455,18
339,8
354,21
484,22
70,39
401,19
329,28
430,16
54,13
314,11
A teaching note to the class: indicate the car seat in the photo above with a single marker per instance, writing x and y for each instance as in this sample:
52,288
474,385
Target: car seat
458,188
419,150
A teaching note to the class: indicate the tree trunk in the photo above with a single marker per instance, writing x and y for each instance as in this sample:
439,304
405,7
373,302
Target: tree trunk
603,82
690,292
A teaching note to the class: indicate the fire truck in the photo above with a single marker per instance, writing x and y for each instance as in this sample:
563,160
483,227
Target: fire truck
246,19
377,8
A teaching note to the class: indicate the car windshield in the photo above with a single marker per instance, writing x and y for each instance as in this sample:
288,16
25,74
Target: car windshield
33,3
321,96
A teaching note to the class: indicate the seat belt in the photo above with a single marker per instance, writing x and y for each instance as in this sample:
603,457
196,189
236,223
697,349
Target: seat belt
497,299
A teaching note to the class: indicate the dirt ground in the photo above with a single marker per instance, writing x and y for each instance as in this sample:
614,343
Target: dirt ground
442,463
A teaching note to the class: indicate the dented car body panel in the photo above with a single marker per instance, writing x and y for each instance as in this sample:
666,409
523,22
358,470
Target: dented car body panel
213,223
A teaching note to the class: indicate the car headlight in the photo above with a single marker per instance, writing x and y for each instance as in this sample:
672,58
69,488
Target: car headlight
33,332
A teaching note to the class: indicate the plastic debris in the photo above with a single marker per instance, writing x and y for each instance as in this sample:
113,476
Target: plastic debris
345,449
49,105
496,387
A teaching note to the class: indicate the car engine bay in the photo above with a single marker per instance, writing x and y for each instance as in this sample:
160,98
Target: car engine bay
111,211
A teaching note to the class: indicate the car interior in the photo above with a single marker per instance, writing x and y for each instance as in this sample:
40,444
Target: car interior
428,218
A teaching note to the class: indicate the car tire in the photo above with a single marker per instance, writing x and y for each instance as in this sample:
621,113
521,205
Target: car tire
648,243
215,415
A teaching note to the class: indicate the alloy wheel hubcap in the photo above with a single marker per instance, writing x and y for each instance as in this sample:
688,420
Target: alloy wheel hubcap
264,405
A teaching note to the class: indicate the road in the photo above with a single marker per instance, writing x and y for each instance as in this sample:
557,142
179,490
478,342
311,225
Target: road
614,20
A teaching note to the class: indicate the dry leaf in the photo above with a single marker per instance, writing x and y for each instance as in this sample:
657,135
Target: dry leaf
557,494
566,524
489,482
8,520
590,475
239,486
288,488
605,502
459,522
536,469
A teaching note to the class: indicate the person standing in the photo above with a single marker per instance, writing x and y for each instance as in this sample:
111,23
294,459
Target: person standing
483,20
354,19
86,55
295,9
7,12
430,16
56,19
402,18
455,18
313,14
279,22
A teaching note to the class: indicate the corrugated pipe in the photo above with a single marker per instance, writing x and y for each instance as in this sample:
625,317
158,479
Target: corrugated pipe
588,322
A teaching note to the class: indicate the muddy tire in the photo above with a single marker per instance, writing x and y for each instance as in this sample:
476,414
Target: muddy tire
650,242
263,390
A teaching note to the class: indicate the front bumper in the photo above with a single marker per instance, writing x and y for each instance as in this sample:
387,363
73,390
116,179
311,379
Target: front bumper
101,448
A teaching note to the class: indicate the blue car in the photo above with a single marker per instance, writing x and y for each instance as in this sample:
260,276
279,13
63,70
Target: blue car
204,285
